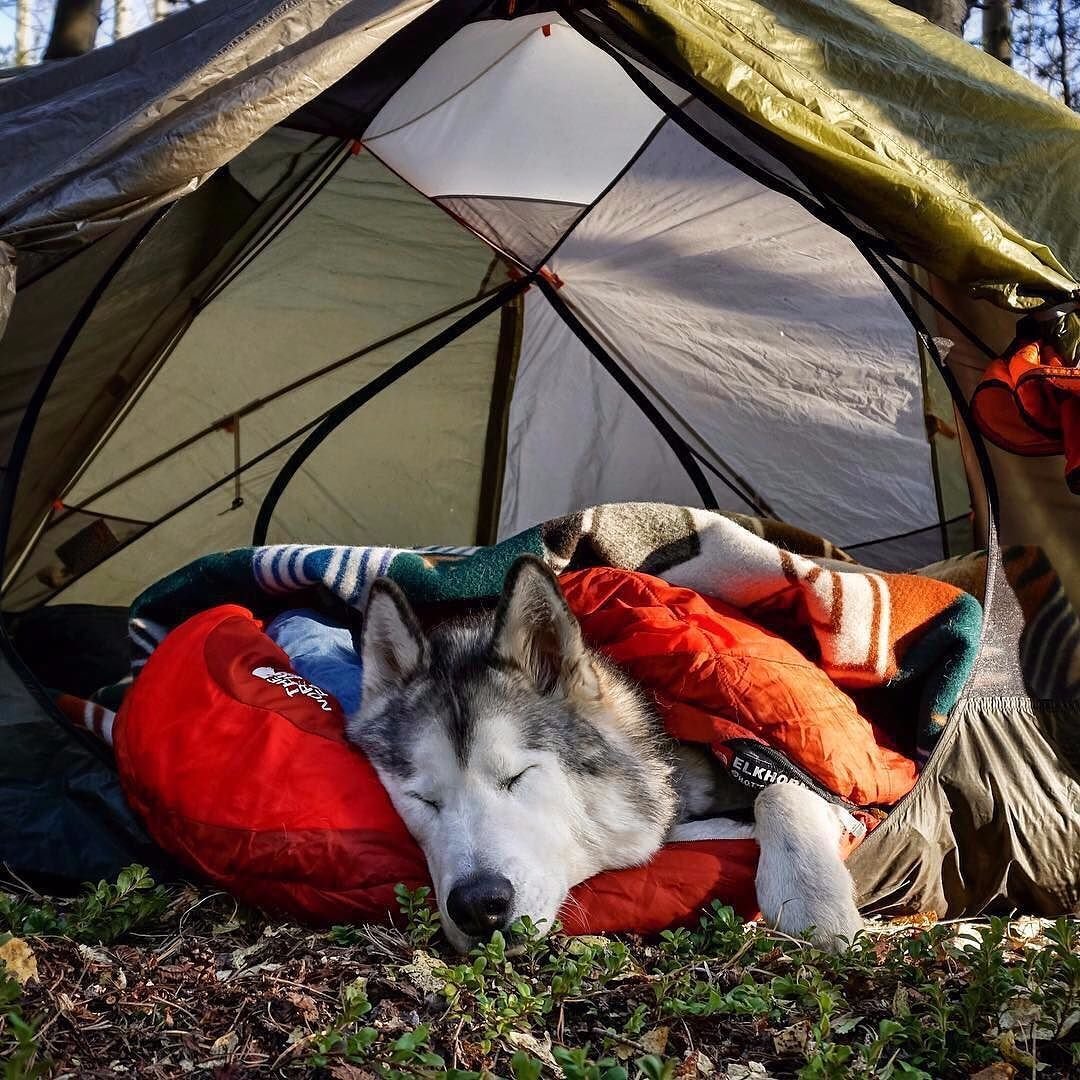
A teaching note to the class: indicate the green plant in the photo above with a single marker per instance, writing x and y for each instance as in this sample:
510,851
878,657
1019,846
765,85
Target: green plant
421,915
101,914
344,1039
19,1051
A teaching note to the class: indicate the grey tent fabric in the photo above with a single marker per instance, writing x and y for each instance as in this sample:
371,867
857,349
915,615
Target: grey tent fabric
525,229
126,123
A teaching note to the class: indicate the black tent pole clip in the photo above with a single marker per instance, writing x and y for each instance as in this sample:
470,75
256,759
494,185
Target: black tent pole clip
233,425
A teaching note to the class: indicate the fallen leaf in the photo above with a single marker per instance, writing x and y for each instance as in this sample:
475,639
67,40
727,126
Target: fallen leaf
1006,1043
1000,1070
694,1065
93,956
655,1041
523,1040
1028,932
581,942
794,1040
751,1070
1068,1024
240,956
1023,1014
305,1005
19,960
968,934
224,1044
1020,1012
921,919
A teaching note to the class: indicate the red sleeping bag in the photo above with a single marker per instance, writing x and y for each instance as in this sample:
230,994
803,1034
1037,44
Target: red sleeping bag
240,770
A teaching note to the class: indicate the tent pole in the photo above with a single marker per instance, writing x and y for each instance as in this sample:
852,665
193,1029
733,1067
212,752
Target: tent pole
257,403
345,408
23,435
494,464
674,440
316,178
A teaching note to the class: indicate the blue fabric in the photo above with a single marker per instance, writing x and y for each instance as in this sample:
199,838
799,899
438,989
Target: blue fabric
321,653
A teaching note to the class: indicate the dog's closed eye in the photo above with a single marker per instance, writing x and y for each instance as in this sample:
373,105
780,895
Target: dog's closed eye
509,782
435,805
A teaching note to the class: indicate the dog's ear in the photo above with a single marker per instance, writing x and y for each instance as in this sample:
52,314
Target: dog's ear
391,646
536,631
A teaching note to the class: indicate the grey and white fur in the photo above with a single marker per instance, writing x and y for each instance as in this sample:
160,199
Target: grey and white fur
524,762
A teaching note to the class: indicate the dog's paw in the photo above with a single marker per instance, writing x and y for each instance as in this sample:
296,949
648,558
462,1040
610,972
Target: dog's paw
803,885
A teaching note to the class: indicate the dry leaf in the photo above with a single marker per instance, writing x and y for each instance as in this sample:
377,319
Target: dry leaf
1000,1070
752,1070
1068,1024
92,956
304,1004
522,1040
794,1040
19,960
577,945
968,933
655,1041
1027,932
224,1045
240,956
921,919
1020,1012
1012,1053
1023,1014
695,1065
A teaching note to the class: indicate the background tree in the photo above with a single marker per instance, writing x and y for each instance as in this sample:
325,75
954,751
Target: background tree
949,14
74,28
997,29
1046,45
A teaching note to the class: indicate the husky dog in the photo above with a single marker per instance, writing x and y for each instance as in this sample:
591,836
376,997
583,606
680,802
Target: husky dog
524,763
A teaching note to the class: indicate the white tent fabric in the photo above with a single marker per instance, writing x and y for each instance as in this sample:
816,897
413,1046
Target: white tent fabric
480,117
756,328
574,433
739,310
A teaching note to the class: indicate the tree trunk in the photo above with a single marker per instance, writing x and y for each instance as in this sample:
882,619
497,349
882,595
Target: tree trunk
121,19
74,28
997,29
23,32
948,14
1063,45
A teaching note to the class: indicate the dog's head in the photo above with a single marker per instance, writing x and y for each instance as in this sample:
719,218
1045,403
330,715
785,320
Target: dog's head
520,761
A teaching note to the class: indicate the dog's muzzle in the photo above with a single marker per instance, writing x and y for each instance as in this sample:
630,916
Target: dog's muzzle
481,904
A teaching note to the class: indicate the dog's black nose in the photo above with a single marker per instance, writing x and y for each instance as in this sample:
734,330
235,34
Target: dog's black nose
480,904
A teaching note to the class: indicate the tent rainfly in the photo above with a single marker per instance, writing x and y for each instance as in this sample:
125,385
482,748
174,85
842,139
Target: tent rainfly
428,272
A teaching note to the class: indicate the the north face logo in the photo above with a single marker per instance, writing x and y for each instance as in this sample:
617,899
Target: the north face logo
293,685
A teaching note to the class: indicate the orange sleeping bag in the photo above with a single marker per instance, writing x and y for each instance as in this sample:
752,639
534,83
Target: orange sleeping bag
239,768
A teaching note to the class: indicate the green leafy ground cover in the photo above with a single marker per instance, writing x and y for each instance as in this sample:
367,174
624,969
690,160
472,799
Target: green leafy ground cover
136,979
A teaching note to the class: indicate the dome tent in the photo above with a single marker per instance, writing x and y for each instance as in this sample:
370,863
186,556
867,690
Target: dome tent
430,273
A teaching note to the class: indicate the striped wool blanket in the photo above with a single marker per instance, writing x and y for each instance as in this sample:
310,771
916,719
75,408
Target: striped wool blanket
867,629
